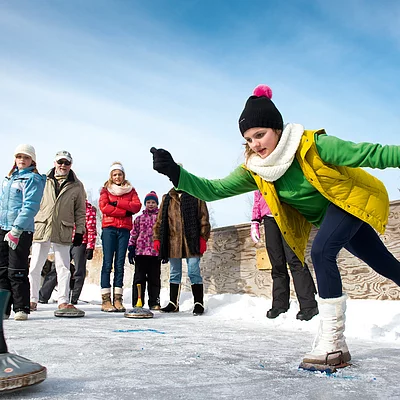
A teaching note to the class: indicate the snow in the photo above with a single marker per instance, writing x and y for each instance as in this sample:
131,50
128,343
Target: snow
231,352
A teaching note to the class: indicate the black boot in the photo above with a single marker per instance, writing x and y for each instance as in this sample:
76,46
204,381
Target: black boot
174,292
274,312
4,297
198,294
307,313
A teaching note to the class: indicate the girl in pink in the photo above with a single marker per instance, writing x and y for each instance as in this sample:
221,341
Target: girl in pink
142,254
280,254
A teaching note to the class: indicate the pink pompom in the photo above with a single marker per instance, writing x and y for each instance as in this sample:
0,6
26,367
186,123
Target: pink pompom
263,90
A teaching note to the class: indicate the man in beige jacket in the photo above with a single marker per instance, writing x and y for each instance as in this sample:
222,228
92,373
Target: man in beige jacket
62,208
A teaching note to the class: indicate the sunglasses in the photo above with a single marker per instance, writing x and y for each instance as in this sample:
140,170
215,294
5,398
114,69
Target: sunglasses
65,162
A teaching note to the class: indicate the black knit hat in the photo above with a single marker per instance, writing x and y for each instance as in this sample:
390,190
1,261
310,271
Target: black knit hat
151,196
260,111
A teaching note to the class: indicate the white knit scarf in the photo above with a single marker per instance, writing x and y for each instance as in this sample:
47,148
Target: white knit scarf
119,190
276,164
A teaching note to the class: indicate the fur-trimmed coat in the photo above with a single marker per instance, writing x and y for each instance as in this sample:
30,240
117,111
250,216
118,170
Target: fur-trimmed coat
178,247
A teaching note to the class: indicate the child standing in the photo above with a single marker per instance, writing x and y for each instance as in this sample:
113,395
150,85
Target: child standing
20,197
281,255
309,178
141,252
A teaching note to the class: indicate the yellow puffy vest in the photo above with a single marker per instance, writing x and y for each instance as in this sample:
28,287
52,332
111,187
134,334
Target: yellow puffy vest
352,189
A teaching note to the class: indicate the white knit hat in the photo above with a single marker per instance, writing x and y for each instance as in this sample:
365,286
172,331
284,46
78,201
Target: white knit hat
116,165
26,149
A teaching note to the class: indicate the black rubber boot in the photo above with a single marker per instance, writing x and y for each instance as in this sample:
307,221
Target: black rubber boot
274,312
4,296
174,292
307,313
198,297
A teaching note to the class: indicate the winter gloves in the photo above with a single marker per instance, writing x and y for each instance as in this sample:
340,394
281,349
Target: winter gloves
131,254
203,245
89,254
157,245
78,238
12,237
255,231
165,164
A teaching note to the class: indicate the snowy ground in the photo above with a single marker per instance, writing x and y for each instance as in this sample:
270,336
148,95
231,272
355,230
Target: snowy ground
231,352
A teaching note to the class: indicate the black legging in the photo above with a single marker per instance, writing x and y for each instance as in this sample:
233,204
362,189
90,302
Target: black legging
281,255
338,230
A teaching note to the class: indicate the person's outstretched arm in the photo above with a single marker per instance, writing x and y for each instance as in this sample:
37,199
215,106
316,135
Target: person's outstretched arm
238,182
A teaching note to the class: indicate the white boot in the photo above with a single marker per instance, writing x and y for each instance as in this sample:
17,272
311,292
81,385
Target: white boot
329,345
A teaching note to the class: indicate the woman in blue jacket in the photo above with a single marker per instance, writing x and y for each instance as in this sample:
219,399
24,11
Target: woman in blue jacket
20,197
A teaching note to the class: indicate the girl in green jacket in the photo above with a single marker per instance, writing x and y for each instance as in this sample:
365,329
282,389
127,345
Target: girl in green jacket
308,178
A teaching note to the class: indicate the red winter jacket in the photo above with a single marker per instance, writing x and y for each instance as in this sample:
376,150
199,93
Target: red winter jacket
115,216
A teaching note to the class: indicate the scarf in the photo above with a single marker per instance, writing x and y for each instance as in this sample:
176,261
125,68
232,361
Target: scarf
277,163
191,225
119,190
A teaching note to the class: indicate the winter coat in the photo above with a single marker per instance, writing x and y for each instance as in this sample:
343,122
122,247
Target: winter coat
89,238
115,216
260,207
58,215
142,233
20,198
350,188
178,247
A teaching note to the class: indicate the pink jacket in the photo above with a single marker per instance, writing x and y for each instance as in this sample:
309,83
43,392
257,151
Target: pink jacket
260,207
142,233
89,237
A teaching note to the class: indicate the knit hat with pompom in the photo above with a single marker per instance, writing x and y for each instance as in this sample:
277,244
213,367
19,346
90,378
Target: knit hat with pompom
151,196
260,111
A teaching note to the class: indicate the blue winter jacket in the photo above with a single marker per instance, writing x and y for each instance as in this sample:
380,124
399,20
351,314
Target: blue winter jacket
20,198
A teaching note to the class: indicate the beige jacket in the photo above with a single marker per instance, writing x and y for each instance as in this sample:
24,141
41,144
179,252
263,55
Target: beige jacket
57,216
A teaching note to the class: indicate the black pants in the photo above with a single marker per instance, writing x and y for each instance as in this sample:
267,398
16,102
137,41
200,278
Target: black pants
147,269
14,271
338,230
281,255
50,282
78,254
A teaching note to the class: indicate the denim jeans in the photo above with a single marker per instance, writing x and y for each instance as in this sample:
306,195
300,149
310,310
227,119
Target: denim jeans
338,230
115,244
175,270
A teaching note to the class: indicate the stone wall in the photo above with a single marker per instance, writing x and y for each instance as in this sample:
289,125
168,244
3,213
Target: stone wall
234,264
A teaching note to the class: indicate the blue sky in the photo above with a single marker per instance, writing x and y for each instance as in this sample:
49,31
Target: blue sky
107,80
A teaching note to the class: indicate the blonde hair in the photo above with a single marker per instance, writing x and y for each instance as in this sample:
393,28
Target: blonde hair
248,152
109,182
15,166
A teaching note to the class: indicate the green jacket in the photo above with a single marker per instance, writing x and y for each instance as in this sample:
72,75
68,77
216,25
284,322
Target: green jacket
325,170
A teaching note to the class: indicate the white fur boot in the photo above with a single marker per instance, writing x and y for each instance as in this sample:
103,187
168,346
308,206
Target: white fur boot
330,345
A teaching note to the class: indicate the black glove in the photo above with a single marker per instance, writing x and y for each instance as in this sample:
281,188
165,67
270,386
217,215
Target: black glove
89,254
131,254
113,203
129,214
78,238
165,164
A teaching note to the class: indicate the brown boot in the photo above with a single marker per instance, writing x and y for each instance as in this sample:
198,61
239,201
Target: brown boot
118,299
106,304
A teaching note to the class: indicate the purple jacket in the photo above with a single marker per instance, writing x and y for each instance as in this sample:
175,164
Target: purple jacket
260,207
142,233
